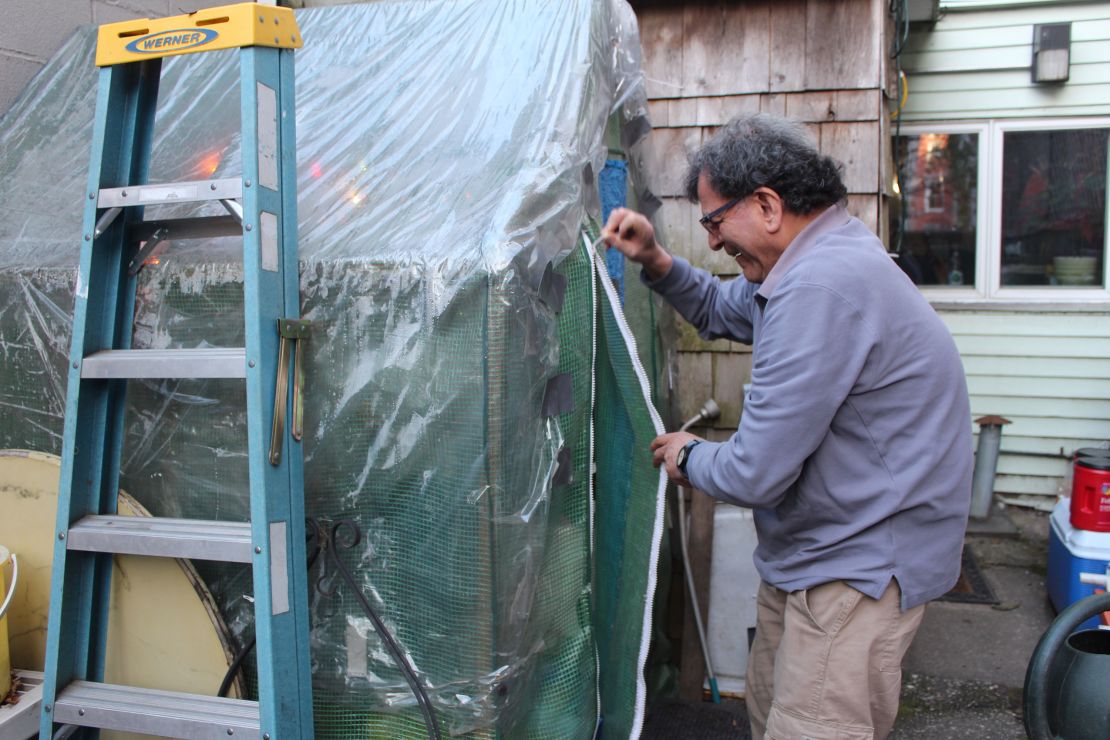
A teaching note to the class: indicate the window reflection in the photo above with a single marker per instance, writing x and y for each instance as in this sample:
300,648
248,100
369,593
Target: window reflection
937,214
1053,207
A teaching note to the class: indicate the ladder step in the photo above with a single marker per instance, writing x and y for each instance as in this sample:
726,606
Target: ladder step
209,362
199,227
152,712
169,538
174,192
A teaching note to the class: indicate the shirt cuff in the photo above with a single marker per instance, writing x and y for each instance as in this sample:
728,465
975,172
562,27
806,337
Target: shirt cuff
680,268
698,462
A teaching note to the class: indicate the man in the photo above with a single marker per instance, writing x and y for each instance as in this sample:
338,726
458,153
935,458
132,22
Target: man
854,447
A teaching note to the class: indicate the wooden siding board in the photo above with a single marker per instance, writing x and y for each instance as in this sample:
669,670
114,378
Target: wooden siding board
1047,446
1014,79
659,113
1026,465
1060,347
1029,324
788,47
1095,388
673,224
812,106
856,146
858,105
991,19
842,45
1036,367
682,112
775,104
1086,409
727,49
1023,484
730,372
1028,485
976,65
666,158
681,234
1055,428
866,209
661,38
717,111
696,371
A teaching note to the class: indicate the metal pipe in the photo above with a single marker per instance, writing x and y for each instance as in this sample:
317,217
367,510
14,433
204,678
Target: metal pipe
709,411
986,464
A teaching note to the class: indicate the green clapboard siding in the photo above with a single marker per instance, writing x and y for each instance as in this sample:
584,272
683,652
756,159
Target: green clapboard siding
974,63
1049,374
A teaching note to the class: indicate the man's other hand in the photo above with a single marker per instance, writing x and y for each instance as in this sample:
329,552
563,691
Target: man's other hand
633,235
665,449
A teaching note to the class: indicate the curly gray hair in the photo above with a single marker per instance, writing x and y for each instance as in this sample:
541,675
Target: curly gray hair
759,150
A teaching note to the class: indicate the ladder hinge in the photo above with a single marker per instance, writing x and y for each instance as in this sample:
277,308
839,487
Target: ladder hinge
291,331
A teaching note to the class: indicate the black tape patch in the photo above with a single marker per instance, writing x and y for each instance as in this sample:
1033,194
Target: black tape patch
553,289
564,470
558,397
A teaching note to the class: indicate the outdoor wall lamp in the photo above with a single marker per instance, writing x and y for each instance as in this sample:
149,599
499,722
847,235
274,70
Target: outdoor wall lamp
1051,52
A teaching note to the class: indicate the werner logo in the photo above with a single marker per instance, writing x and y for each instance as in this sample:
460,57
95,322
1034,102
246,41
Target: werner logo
163,41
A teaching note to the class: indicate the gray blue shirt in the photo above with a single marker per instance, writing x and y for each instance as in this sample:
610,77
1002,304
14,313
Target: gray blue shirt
854,447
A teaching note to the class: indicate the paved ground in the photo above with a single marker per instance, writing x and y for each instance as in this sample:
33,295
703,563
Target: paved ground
964,674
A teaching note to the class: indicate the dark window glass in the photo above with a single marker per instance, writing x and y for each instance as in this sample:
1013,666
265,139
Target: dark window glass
1053,207
934,225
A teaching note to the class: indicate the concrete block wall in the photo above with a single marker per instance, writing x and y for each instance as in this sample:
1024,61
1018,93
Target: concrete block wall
34,29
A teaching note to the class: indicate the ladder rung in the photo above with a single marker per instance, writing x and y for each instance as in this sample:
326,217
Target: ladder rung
169,538
173,192
200,227
209,362
152,712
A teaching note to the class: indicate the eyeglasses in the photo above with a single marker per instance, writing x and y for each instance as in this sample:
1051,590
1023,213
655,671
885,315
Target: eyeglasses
713,220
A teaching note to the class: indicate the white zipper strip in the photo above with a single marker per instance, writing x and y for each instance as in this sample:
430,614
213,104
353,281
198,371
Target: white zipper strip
590,474
660,496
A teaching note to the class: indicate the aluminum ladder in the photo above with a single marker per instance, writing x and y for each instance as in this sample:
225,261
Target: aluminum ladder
260,207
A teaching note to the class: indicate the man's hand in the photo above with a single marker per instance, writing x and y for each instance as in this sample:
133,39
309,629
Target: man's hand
632,234
665,448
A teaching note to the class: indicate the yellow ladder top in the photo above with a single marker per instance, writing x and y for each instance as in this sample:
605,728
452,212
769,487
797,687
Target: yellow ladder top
224,27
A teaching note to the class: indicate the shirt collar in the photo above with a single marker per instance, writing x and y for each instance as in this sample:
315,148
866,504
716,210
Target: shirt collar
833,217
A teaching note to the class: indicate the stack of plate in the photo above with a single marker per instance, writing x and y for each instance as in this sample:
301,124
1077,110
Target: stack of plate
1075,270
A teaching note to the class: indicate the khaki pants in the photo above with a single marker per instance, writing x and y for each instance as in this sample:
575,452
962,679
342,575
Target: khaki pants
826,663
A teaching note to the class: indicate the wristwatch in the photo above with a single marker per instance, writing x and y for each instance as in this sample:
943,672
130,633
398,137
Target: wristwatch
684,455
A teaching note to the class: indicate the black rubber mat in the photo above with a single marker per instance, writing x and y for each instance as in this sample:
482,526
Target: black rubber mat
972,588
697,721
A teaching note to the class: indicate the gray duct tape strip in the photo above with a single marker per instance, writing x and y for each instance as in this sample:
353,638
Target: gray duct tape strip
558,397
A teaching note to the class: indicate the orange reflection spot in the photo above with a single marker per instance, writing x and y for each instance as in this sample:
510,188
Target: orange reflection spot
209,163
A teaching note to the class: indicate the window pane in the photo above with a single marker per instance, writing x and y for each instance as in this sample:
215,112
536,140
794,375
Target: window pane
937,218
1053,207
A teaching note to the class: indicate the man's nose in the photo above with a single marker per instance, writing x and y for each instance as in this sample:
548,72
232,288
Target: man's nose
715,241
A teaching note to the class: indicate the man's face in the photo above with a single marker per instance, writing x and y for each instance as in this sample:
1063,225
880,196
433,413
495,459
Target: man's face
740,231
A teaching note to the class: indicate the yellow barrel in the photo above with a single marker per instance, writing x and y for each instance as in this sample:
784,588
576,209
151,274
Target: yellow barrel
5,658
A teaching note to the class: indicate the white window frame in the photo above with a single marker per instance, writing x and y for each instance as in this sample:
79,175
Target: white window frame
988,209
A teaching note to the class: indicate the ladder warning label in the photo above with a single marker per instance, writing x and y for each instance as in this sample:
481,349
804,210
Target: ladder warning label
175,40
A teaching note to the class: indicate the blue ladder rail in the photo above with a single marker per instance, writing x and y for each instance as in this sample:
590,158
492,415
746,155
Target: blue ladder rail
262,209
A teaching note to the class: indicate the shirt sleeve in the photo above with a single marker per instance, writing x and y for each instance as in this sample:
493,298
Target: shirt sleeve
813,347
716,309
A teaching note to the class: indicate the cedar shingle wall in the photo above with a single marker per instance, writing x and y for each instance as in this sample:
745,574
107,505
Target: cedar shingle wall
820,61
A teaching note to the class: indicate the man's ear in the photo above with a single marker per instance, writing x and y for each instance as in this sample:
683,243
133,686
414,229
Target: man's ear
770,208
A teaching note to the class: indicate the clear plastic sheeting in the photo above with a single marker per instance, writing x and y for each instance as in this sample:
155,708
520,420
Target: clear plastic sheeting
447,159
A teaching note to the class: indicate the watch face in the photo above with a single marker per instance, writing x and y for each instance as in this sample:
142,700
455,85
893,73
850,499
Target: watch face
680,458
